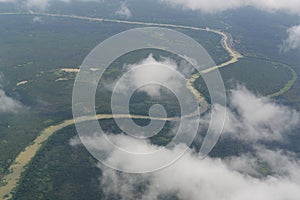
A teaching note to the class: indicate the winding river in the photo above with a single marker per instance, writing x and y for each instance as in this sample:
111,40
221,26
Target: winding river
23,159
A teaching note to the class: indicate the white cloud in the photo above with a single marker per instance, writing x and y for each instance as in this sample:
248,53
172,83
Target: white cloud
207,6
34,4
231,178
213,6
252,118
124,11
150,70
6,1
282,163
216,6
245,164
31,4
293,40
41,4
8,104
37,19
210,179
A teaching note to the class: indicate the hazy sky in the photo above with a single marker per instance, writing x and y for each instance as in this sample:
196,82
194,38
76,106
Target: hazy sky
204,6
